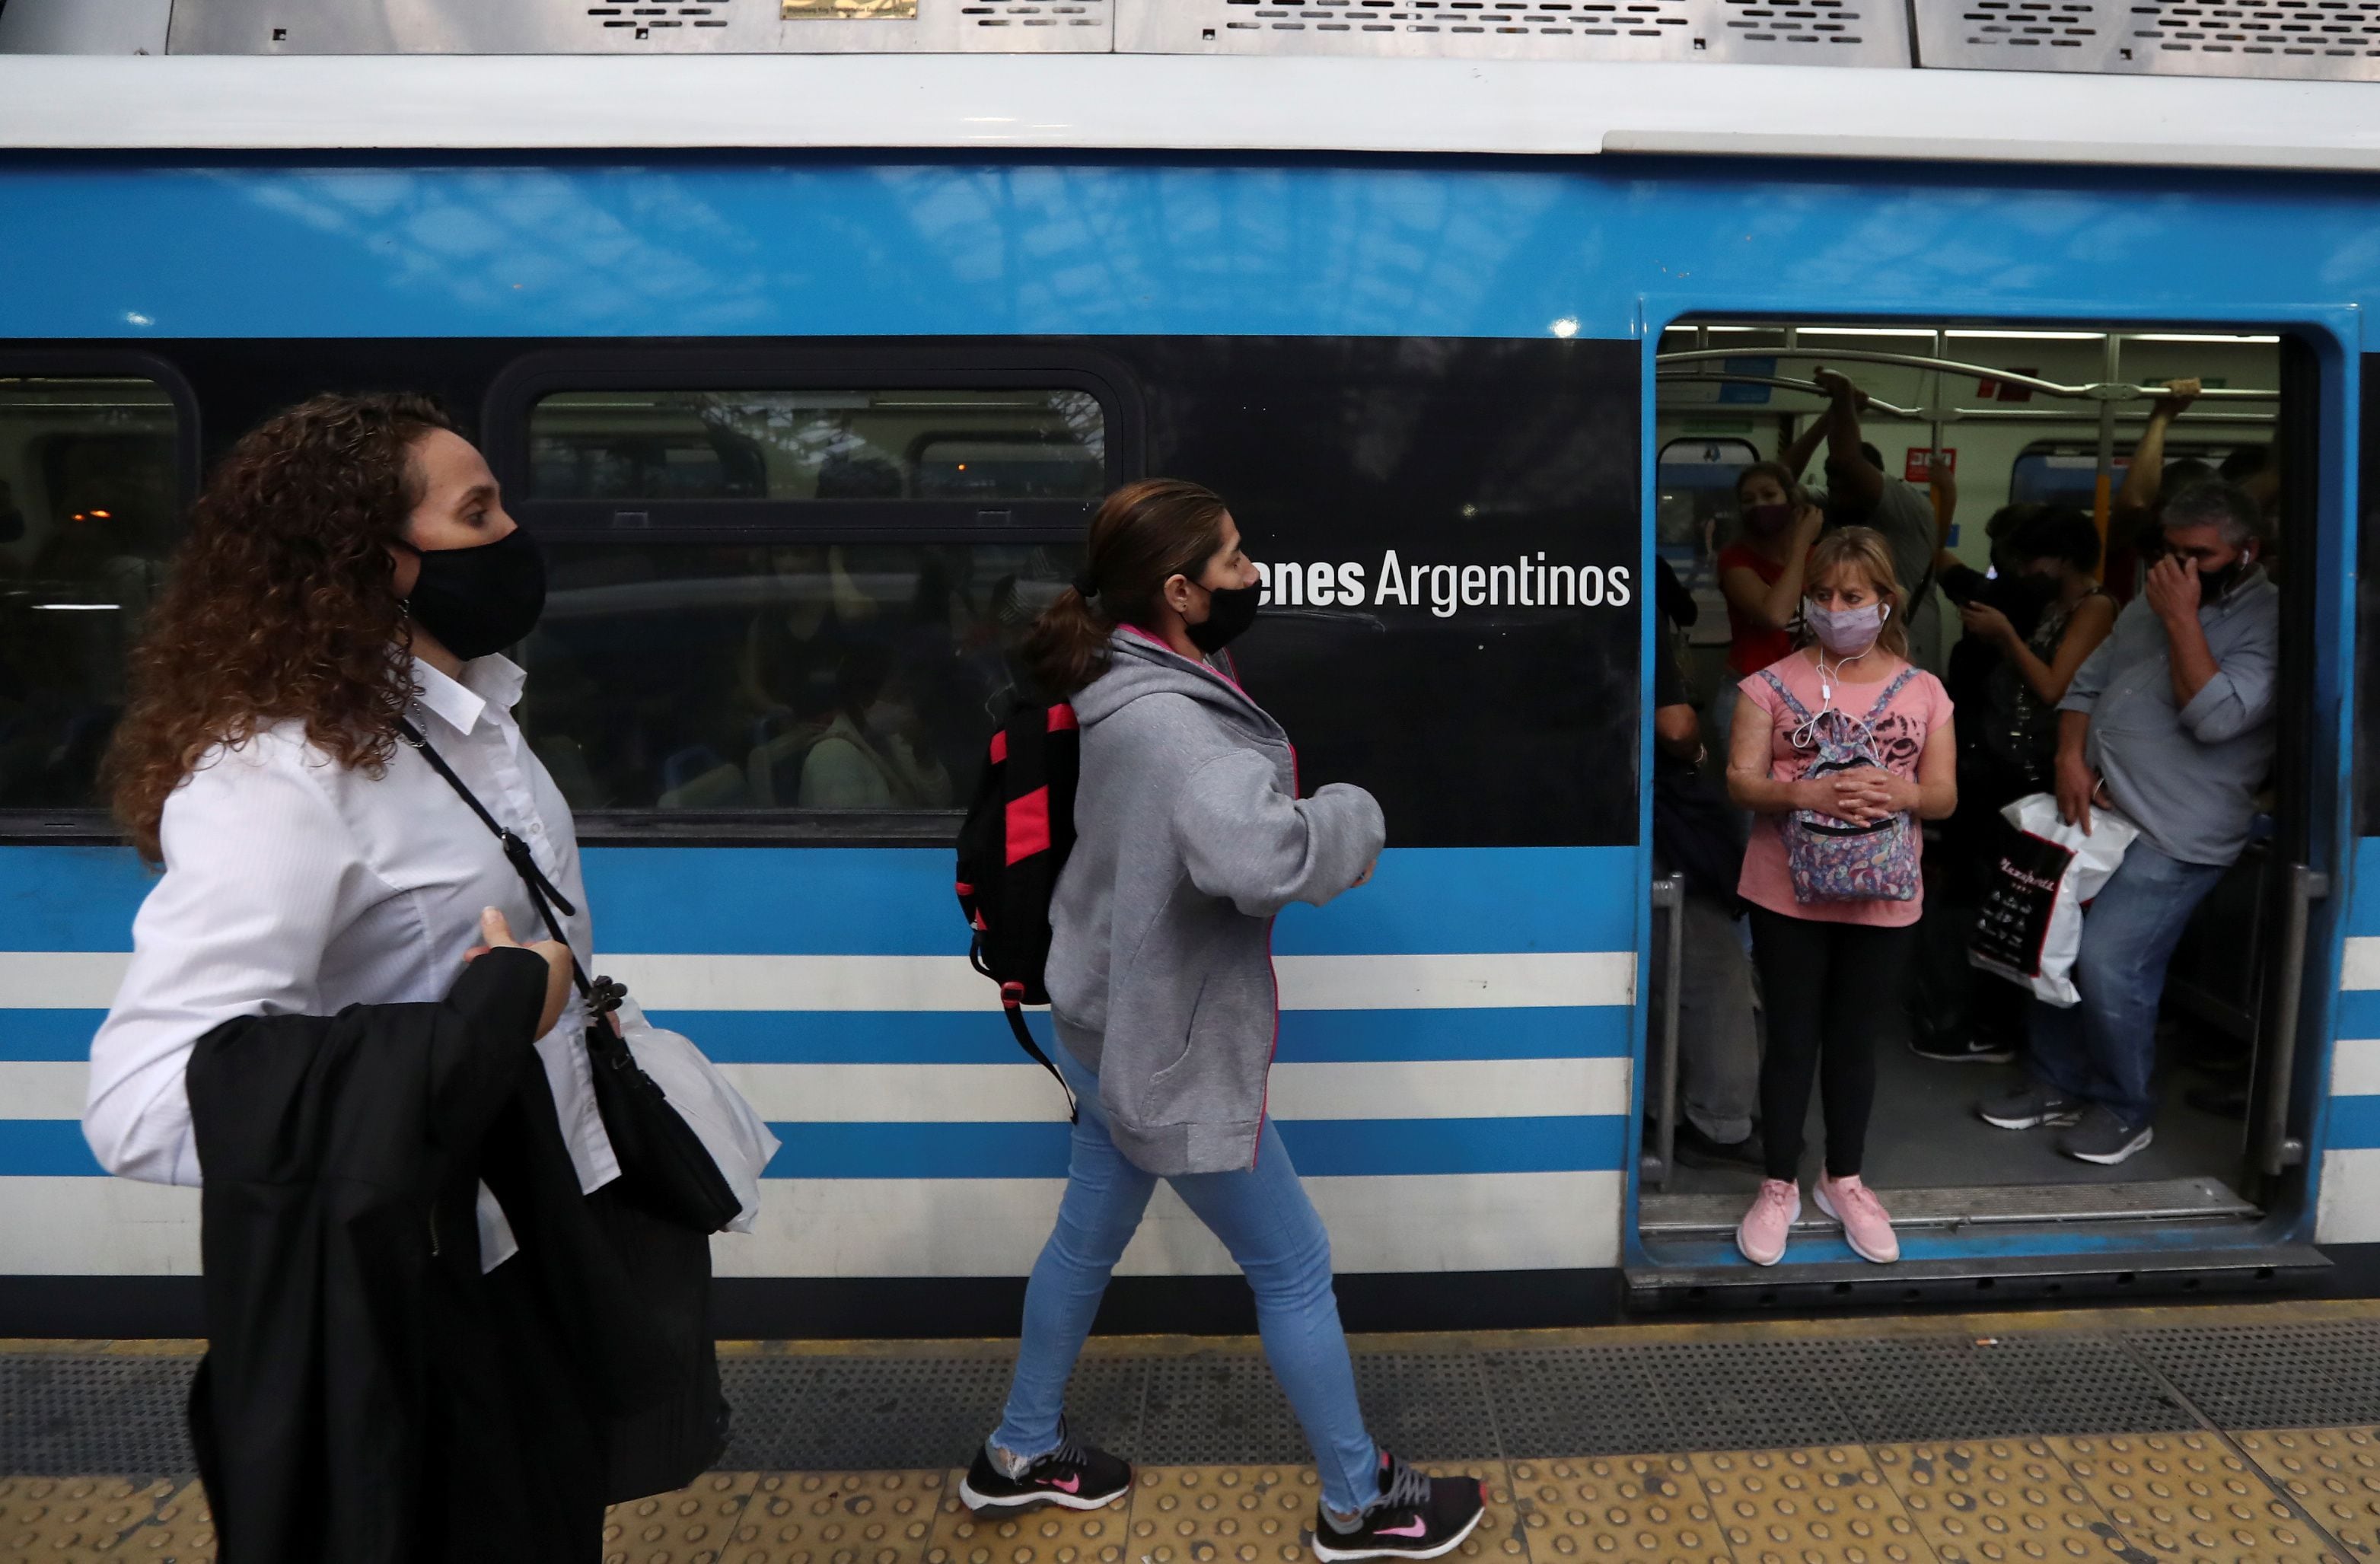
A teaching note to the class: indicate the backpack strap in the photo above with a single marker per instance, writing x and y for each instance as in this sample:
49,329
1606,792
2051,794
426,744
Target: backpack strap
1039,825
1785,695
1890,690
1012,1004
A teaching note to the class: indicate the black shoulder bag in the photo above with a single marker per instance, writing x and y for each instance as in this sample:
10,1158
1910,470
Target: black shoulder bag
664,1165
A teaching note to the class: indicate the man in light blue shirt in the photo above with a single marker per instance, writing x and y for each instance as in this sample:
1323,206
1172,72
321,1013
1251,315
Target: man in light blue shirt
2170,722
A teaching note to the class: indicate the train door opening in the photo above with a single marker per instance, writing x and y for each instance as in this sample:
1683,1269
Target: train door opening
2020,477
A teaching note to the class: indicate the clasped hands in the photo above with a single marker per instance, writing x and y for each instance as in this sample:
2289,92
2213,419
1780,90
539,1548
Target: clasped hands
1860,796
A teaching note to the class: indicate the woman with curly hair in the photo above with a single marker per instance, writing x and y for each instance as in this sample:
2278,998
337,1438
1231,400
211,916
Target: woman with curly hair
333,621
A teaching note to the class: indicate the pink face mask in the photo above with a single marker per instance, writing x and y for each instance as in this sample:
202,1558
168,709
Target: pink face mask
1848,632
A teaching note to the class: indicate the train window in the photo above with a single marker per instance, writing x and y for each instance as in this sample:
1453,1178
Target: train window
790,584
90,482
1694,480
788,675
949,442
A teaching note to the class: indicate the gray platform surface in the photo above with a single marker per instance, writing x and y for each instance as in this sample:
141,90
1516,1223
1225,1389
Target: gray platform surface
93,1408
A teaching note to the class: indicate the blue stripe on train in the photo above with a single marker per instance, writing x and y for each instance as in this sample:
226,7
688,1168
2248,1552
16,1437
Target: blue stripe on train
2353,1125
762,1037
2359,1013
2363,906
1322,1148
853,901
45,1148
47,1034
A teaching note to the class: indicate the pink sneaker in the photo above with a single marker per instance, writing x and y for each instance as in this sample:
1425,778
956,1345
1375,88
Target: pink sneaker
1867,1225
1761,1235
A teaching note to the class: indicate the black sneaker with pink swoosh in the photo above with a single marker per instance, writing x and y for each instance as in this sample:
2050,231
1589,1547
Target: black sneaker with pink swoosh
1073,1477
1416,1516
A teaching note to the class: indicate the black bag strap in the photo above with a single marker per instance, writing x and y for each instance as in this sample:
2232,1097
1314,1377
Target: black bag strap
603,995
1012,1004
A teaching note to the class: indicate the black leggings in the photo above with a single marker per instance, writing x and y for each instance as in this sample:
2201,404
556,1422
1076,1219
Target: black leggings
1828,989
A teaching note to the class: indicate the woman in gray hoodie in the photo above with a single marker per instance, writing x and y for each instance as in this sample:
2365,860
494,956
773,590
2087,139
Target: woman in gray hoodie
1190,837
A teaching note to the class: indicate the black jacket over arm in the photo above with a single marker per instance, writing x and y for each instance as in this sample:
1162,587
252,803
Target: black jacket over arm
367,1394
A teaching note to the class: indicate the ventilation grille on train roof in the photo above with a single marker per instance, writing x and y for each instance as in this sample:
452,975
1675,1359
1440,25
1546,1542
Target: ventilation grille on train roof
2334,39
577,27
1812,32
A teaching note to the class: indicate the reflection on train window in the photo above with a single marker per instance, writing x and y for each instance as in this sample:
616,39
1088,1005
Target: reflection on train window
88,495
945,443
1694,482
860,676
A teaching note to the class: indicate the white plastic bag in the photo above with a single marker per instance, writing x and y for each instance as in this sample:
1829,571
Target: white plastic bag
2029,923
737,1139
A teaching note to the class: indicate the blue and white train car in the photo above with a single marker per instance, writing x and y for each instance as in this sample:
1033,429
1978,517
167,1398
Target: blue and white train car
806,345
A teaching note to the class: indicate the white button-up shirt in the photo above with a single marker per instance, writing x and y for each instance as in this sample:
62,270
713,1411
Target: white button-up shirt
296,886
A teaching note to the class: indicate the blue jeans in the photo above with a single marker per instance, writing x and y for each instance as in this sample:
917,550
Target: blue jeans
2103,1049
1264,1219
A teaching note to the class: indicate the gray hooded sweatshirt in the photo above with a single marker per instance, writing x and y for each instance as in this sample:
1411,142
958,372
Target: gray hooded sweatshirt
1189,837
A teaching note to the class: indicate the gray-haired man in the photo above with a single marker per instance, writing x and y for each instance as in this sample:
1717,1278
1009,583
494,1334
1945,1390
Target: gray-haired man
2171,722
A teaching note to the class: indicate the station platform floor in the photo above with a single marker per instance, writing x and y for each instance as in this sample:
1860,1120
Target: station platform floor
2240,1432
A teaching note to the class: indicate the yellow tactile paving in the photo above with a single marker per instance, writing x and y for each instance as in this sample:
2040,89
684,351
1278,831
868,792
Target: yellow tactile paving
2188,1497
58,1520
1634,1507
838,1518
1782,1507
181,1532
1219,1515
2123,1499
1998,1501
2334,1473
1045,1536
690,1526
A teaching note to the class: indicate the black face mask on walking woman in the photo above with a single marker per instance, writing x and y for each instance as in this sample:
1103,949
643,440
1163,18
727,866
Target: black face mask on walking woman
1230,610
482,599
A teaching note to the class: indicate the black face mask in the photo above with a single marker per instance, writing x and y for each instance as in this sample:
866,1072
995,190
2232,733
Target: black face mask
1230,610
2213,586
482,599
2039,591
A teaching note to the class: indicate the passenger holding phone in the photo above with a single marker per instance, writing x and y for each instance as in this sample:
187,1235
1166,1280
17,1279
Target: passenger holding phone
2172,721
1191,834
1840,748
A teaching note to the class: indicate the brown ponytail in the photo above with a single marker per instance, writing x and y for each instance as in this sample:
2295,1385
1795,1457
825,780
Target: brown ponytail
1145,534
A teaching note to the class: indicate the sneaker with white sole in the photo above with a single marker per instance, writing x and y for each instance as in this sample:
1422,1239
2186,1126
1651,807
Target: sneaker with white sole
1867,1225
2103,1137
1965,1049
1073,1476
1762,1233
2035,1106
1416,1516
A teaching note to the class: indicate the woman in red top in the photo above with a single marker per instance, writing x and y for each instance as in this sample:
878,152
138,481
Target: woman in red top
1761,572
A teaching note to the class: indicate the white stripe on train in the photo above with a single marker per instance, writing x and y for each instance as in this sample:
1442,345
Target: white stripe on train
86,980
934,1226
993,1093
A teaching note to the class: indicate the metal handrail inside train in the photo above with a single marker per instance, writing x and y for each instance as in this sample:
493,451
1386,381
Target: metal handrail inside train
1936,415
2097,390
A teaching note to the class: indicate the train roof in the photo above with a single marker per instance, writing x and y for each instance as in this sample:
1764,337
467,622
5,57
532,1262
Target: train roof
1099,102
2112,82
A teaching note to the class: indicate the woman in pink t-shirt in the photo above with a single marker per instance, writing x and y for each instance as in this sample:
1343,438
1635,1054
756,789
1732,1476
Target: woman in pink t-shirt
1832,871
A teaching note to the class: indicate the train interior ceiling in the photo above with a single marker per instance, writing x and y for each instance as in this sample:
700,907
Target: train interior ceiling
2015,413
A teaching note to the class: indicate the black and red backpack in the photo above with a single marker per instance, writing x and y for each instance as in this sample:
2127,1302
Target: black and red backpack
1017,834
